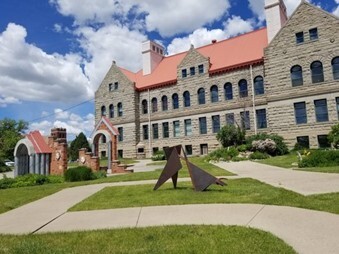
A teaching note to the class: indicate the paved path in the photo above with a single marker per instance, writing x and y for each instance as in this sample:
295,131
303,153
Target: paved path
306,183
8,174
141,166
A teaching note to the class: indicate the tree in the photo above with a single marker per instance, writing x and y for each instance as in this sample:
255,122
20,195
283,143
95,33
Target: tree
333,136
11,131
79,142
230,135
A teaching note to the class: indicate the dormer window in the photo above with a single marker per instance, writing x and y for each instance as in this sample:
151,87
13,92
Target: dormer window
192,71
184,73
313,34
299,37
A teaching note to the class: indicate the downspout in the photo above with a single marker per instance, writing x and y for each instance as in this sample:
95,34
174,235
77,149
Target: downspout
253,101
149,125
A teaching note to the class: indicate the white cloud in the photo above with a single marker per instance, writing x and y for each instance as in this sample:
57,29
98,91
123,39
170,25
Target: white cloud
8,100
232,27
58,28
61,114
31,74
73,123
166,17
336,11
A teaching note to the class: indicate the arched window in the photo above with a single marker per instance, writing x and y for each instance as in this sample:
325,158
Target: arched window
297,75
187,99
164,103
228,90
175,101
103,111
144,106
214,94
335,67
317,72
120,112
259,85
154,105
111,111
243,92
201,96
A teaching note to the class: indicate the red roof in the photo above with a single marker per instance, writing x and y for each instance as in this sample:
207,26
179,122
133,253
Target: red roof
225,55
39,143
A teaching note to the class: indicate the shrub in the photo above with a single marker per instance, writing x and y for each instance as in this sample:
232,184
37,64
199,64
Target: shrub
230,135
28,180
6,182
320,158
333,136
223,154
99,174
281,147
242,148
259,156
80,173
4,167
158,156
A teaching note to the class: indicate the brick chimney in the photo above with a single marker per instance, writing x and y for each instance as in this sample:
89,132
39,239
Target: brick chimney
152,54
276,17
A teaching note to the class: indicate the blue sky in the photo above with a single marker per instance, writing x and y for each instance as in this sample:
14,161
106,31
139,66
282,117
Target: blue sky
55,53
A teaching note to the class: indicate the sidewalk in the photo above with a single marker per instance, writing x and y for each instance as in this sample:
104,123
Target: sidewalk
306,183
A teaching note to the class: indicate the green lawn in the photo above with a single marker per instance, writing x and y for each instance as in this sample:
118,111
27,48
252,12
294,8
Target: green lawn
15,197
171,239
290,160
238,191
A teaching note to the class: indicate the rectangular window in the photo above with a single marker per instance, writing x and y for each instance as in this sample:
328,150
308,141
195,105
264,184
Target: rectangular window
192,71
313,34
323,141
145,131
165,130
230,119
176,129
215,124
155,131
116,86
155,149
261,118
121,134
245,120
337,103
201,68
188,149
202,125
188,127
300,112
141,150
204,149
299,37
303,141
321,113
121,153
184,73
110,87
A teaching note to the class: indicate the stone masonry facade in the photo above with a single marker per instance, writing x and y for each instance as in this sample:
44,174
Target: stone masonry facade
278,101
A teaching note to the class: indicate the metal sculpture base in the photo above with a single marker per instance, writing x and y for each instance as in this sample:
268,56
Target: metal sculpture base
200,179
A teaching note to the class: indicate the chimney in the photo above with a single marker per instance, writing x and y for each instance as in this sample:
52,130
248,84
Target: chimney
152,54
276,17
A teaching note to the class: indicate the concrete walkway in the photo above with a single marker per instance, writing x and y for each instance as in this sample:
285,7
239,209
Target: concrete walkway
306,183
141,166
305,230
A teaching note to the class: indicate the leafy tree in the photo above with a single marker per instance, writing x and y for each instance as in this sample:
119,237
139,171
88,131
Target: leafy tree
11,131
333,136
79,142
230,135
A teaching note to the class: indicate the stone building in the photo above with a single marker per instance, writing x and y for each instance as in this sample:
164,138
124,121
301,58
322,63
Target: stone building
36,154
282,79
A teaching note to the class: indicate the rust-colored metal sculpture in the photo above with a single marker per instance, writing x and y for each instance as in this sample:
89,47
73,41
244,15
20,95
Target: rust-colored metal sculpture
200,178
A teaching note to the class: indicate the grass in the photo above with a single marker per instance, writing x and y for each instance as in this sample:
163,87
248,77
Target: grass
15,197
238,191
287,161
171,239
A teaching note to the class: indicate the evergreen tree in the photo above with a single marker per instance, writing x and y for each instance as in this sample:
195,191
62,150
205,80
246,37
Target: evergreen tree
79,142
